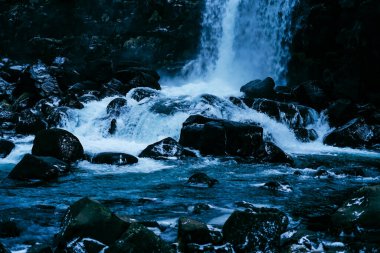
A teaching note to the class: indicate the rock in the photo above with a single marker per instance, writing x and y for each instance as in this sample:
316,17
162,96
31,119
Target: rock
9,228
259,89
311,94
270,153
277,186
340,112
71,101
40,248
57,116
24,102
221,137
137,77
115,106
3,249
58,143
114,158
139,239
6,148
305,135
87,98
356,134
39,167
6,114
166,148
87,245
113,88
139,94
83,87
113,127
30,123
192,231
6,89
255,230
200,207
99,71
357,214
202,179
87,218
288,113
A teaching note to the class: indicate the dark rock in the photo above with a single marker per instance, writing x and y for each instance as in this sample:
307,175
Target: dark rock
113,126
349,171
6,114
311,94
356,134
192,231
99,71
58,143
25,101
270,153
199,207
71,101
6,89
255,230
87,218
221,137
237,101
259,89
87,98
202,179
138,77
6,148
357,214
38,167
87,245
225,248
40,248
115,106
114,158
340,112
9,228
321,173
278,186
83,87
139,94
166,148
113,88
305,135
3,249
289,113
139,239
30,123
57,116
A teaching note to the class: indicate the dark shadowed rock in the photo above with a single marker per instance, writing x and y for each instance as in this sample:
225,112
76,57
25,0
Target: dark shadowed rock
30,123
166,148
221,137
114,107
269,152
71,101
114,158
139,94
9,228
192,231
99,71
255,229
40,248
6,148
305,135
200,207
340,112
57,116
139,239
202,179
38,167
259,89
87,245
311,94
3,249
58,143
356,134
137,77
113,127
87,218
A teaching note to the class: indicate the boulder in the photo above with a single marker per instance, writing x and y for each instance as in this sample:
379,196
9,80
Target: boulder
202,179
6,148
139,239
99,71
292,114
139,94
340,112
166,148
137,77
356,134
259,89
9,228
87,218
221,137
305,135
115,106
58,143
71,101
255,229
86,245
114,158
30,123
57,116
311,94
38,167
270,153
357,214
192,231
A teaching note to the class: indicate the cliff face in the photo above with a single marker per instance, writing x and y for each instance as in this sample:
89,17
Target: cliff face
338,42
158,33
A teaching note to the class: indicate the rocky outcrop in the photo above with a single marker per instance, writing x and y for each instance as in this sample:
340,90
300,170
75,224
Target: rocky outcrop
39,167
259,89
166,149
58,143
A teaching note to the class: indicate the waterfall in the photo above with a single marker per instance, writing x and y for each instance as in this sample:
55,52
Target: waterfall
243,40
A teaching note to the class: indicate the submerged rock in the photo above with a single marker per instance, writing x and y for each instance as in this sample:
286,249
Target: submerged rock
38,167
270,153
114,158
139,239
166,148
87,218
6,148
202,179
139,94
58,143
192,231
221,137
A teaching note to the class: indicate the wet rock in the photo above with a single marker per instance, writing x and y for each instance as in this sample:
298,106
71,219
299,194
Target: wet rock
221,137
139,239
83,87
137,77
114,158
139,94
358,212
30,123
356,134
115,106
270,153
87,218
305,135
202,179
25,101
71,101
57,116
321,173
9,228
349,171
225,248
3,249
165,149
40,248
6,148
256,229
39,167
340,112
113,127
99,71
289,113
192,231
87,245
87,98
112,88
6,89
6,114
277,186
311,94
58,143
200,207
259,89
